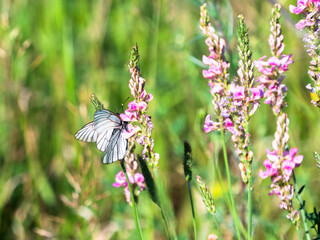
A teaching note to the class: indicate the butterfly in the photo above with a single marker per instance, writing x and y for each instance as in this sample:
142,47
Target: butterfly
106,131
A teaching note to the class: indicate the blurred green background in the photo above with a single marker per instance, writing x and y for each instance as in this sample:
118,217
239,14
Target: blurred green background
54,54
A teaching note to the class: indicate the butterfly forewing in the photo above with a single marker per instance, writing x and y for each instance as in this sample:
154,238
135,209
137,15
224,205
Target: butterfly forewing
116,149
105,120
87,133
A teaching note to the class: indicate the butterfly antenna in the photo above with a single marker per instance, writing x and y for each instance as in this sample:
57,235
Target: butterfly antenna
124,103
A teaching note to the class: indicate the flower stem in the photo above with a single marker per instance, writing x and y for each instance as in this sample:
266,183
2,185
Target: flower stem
166,212
216,222
249,208
250,187
193,215
303,212
135,213
233,210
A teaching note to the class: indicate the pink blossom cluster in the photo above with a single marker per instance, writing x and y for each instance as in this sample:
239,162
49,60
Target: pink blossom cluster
240,98
271,79
310,9
279,167
284,165
137,181
233,104
139,123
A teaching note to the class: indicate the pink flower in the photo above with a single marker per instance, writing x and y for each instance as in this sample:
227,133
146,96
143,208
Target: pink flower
216,87
214,67
120,180
270,169
238,92
209,125
228,125
137,181
257,93
133,106
274,166
149,97
131,130
305,22
301,5
129,116
268,67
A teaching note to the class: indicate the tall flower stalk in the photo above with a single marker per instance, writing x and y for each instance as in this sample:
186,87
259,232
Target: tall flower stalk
140,124
235,102
139,131
280,162
217,74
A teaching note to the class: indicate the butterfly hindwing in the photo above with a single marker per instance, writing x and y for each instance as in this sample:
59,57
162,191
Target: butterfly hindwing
116,149
103,139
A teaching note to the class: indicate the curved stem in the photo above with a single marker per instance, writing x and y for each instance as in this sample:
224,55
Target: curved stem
135,213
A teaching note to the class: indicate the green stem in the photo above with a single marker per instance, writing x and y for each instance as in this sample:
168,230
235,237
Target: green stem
249,208
216,222
135,213
192,208
233,210
167,214
250,187
303,212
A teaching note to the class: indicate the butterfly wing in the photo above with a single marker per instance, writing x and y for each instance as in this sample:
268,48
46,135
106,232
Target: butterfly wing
117,147
105,120
103,139
87,133
105,130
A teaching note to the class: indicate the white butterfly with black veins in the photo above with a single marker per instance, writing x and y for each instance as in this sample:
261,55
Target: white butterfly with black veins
106,131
